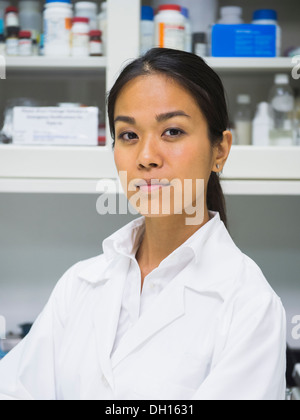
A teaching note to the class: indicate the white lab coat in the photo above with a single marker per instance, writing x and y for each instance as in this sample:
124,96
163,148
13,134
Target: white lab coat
217,331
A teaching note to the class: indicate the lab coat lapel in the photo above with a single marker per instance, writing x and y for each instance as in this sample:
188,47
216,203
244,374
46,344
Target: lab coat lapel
106,314
168,307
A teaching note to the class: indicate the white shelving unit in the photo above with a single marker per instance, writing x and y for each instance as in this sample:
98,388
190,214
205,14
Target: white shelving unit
249,170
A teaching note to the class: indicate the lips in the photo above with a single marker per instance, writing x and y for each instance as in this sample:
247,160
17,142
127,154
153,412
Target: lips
151,183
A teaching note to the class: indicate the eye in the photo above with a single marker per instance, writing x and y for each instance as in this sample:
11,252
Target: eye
127,136
174,132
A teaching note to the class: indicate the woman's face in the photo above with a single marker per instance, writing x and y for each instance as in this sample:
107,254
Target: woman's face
162,138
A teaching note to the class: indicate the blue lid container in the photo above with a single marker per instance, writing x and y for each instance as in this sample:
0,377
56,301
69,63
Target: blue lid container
58,1
147,13
185,12
265,14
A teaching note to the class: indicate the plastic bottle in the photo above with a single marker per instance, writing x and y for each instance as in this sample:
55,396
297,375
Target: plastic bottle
188,30
231,15
57,28
147,29
170,27
80,37
297,118
95,46
261,125
31,18
87,9
102,21
243,120
25,43
282,105
269,17
2,38
200,44
12,41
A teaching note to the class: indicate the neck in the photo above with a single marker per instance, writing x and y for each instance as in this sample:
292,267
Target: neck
163,235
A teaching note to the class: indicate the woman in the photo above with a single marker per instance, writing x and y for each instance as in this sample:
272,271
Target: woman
172,309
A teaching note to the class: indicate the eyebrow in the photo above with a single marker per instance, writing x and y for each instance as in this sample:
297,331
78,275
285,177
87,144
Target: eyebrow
159,118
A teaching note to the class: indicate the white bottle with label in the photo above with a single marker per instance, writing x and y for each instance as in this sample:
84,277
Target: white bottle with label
282,105
147,29
269,17
243,120
170,27
261,125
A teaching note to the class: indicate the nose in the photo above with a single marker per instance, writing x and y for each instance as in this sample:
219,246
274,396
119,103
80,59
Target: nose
149,155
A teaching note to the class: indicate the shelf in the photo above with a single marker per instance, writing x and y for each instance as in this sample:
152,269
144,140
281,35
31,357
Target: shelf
42,65
250,64
249,170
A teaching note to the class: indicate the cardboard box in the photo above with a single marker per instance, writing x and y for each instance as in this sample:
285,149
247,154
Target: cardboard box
244,40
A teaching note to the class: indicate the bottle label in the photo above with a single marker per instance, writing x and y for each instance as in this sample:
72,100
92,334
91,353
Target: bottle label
12,46
171,36
95,47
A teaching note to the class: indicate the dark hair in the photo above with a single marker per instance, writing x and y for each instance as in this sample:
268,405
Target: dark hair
202,82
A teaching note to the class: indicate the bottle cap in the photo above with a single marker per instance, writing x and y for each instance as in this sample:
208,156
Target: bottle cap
24,34
244,99
231,10
80,20
174,7
282,79
265,14
11,9
147,13
95,33
200,38
185,12
58,1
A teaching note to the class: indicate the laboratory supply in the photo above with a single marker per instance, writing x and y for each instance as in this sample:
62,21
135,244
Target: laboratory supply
12,41
188,30
11,16
243,120
102,22
41,46
31,18
95,46
297,118
261,125
88,10
57,27
246,40
25,43
80,37
200,44
56,126
2,38
170,27
269,17
146,29
203,13
282,104
231,15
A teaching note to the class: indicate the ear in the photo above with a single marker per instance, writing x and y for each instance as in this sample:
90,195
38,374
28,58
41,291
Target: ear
222,151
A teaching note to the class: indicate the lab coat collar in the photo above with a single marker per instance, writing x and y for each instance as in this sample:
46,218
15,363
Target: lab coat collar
127,240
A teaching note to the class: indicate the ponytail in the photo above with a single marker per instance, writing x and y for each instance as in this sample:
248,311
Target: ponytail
215,197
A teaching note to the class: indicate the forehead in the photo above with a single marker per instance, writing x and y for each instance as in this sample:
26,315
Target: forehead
155,93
